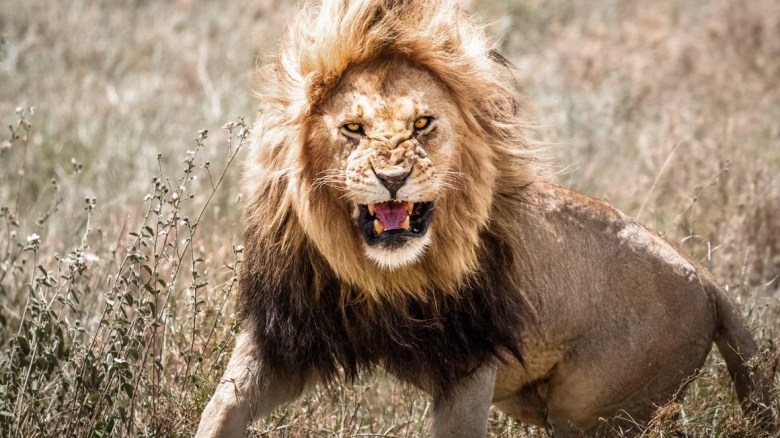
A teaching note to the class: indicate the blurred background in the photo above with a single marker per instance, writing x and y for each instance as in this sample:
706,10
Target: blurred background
668,109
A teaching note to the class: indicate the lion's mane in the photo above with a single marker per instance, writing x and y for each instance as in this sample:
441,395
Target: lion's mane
313,299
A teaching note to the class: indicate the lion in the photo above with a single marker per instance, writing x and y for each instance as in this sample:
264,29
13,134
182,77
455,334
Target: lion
398,217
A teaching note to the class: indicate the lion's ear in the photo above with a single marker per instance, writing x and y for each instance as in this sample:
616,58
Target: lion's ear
500,59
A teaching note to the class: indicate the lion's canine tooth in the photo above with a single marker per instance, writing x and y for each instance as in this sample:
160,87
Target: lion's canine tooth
410,206
378,227
371,209
405,225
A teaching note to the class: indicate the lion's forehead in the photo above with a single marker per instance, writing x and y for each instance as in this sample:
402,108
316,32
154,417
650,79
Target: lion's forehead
385,113
385,97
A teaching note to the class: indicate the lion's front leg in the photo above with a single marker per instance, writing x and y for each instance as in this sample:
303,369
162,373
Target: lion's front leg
247,390
464,411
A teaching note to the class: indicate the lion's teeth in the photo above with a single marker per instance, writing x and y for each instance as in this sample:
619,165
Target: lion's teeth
371,209
378,227
405,225
410,206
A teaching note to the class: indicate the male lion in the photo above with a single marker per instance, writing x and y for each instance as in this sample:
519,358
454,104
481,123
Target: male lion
396,218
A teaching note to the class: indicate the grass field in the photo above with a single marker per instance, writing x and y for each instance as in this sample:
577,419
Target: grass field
120,210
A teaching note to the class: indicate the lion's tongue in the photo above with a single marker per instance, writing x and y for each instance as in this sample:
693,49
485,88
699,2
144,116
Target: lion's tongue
391,214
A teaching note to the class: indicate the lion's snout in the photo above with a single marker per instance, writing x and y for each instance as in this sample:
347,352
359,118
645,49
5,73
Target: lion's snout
393,177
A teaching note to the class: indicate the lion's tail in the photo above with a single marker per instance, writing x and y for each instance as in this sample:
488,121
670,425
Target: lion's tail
736,345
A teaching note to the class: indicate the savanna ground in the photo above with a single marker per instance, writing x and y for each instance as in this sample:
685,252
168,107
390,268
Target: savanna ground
119,228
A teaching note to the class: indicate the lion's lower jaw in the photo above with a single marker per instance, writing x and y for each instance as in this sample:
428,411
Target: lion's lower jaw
411,252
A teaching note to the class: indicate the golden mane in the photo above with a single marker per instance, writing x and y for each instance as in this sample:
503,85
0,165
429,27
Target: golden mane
319,47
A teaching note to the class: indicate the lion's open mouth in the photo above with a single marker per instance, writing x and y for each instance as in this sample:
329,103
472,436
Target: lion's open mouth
394,219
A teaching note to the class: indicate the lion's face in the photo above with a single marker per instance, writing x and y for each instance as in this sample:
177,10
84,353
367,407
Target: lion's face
390,153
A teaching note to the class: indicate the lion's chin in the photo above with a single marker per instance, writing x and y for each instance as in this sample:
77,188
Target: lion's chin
392,254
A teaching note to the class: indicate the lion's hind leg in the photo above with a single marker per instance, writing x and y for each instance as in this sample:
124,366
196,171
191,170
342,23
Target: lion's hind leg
527,404
590,395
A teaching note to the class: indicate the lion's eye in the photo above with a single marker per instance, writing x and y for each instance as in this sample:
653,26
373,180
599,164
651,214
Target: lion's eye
422,123
355,128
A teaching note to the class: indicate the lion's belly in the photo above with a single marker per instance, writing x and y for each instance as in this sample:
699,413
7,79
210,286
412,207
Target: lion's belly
521,390
512,377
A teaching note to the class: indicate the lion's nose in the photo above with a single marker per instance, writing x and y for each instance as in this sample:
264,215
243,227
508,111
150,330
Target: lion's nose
392,178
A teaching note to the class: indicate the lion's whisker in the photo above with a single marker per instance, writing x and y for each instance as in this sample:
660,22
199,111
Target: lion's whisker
330,177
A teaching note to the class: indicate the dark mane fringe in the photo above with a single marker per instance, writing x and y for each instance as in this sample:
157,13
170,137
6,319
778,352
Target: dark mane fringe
305,320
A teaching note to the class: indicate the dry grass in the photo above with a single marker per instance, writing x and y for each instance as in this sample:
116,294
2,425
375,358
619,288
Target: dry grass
670,110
